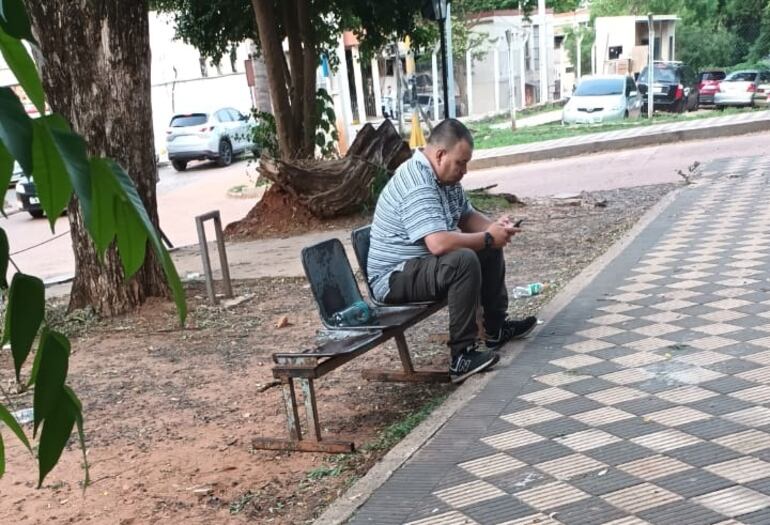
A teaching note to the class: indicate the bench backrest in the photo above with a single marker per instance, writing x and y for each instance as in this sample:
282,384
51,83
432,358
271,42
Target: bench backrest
331,278
360,238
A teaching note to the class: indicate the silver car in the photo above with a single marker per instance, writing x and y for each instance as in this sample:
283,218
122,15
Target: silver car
603,98
218,135
743,88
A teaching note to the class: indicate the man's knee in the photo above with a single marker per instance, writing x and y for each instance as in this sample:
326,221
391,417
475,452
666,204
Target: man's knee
464,261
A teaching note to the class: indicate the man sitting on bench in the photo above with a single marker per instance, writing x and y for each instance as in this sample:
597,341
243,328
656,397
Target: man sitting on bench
428,243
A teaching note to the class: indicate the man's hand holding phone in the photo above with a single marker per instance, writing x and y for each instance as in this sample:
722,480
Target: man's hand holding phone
512,228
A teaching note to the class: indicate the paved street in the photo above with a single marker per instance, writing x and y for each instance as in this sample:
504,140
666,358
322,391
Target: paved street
644,401
619,169
181,196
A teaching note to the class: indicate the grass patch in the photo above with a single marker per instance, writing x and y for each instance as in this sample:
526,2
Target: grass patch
520,113
394,433
487,137
487,202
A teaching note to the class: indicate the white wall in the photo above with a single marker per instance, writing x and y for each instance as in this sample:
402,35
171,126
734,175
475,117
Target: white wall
178,85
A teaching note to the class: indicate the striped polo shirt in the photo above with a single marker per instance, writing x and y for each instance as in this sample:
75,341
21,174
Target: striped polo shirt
411,206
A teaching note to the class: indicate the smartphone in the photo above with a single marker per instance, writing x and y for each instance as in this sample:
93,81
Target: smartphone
518,223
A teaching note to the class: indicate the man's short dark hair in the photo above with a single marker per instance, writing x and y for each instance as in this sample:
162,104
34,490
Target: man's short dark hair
448,133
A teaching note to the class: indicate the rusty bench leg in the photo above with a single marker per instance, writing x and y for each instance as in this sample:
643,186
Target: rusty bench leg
409,375
296,441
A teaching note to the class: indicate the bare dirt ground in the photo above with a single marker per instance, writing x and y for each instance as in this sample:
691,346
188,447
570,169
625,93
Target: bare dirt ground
170,413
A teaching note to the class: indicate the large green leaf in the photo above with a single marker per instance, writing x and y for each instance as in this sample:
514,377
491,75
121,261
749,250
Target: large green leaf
15,128
4,256
22,66
132,237
7,418
14,19
81,432
6,168
49,383
26,306
53,185
104,192
127,189
72,148
55,434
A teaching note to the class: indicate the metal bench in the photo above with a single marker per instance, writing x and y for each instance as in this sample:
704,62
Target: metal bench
334,288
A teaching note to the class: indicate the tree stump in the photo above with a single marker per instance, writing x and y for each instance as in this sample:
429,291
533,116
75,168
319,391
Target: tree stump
326,189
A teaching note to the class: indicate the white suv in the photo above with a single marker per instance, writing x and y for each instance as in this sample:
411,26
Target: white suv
218,135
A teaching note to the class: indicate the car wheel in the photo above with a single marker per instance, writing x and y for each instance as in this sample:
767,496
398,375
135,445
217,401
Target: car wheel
225,154
37,214
179,165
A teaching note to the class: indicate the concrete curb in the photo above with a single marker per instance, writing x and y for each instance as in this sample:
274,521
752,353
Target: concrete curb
610,144
344,507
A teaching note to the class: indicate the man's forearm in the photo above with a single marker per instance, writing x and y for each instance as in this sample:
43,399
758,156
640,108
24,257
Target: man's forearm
475,222
441,243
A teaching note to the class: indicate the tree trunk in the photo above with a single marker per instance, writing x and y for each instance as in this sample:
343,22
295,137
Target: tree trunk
292,86
96,73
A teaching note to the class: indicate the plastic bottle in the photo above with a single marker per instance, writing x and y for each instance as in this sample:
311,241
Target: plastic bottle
357,314
527,291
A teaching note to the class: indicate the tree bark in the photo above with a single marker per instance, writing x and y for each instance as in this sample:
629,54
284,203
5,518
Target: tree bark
278,77
96,73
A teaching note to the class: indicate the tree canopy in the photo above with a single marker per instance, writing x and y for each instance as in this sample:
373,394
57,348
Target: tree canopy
721,33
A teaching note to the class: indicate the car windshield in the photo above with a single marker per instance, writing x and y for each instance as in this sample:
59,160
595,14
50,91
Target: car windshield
597,87
663,73
712,75
195,119
742,76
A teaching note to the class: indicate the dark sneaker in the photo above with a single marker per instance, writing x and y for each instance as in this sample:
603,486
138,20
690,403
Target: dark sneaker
470,361
511,330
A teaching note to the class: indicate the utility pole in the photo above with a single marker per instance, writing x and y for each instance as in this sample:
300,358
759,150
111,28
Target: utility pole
543,58
579,51
650,68
450,63
509,36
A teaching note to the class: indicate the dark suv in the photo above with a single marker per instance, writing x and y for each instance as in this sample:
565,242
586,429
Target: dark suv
675,87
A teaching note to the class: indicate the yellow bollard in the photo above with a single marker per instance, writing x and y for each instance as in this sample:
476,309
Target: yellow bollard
416,139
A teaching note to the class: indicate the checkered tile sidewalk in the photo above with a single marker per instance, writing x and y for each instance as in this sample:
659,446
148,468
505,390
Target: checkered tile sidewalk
645,401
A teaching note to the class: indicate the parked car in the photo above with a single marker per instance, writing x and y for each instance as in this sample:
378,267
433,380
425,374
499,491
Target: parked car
26,196
602,98
218,135
743,88
709,85
675,87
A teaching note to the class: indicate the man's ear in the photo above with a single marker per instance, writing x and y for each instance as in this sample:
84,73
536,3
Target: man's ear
440,154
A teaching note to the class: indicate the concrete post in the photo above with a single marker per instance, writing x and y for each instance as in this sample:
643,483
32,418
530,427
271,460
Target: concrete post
344,89
434,72
543,53
650,68
523,72
359,83
377,88
469,80
496,76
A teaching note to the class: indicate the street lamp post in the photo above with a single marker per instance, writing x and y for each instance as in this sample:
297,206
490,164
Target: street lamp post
437,10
